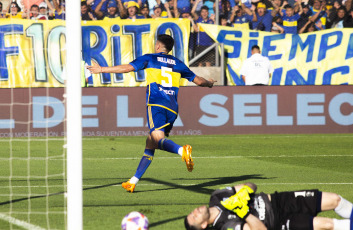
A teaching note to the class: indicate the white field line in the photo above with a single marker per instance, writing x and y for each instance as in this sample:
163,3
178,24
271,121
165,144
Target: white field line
19,223
238,136
222,157
160,184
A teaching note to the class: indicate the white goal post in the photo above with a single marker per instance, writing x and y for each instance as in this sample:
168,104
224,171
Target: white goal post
74,115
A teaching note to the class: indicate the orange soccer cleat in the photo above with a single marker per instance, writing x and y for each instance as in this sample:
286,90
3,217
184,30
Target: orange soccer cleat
128,186
187,157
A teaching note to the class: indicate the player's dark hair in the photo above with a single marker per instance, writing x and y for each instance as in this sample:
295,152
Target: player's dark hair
255,47
187,225
167,41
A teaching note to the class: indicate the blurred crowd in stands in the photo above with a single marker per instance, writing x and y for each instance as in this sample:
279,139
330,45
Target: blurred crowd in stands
278,16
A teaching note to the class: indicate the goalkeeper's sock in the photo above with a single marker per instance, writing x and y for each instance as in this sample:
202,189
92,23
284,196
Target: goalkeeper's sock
341,224
344,208
168,145
146,160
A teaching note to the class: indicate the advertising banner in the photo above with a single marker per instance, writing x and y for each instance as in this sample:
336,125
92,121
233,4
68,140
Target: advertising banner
319,58
32,53
221,110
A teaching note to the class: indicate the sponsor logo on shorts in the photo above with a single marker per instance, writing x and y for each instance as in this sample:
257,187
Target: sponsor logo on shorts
168,92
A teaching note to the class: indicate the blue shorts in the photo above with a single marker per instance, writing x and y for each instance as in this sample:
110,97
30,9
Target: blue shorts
160,119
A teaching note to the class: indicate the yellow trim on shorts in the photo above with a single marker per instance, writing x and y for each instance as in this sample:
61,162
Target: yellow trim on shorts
163,107
162,126
150,117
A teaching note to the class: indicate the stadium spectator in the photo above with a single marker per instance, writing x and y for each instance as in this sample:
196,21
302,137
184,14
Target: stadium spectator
319,7
86,14
224,21
338,18
304,17
115,9
58,8
159,13
264,18
145,11
290,20
14,11
240,207
310,26
163,73
242,16
203,41
32,13
257,69
153,3
43,11
132,10
183,13
37,12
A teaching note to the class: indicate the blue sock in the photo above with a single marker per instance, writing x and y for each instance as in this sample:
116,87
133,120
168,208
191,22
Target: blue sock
168,145
146,160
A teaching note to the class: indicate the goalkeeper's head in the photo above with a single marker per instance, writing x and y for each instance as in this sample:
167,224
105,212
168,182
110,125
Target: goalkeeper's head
197,219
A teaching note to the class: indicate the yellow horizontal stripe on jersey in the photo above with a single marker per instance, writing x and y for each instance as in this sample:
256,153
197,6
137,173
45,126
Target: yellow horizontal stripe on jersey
286,23
156,75
163,108
241,26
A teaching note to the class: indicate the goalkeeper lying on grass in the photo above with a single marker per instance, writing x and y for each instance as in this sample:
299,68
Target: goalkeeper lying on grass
239,207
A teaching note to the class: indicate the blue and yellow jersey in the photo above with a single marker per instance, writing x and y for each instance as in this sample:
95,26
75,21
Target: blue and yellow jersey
322,17
163,73
290,23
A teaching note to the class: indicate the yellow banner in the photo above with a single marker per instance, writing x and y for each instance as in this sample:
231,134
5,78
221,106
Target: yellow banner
319,58
32,53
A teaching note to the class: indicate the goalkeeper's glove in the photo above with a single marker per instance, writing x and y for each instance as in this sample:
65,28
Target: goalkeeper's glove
234,204
242,212
238,203
244,193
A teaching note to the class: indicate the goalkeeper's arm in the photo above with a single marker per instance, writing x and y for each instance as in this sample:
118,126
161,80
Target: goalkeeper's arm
251,185
253,223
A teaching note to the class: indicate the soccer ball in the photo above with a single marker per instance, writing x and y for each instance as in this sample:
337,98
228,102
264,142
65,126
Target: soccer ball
134,221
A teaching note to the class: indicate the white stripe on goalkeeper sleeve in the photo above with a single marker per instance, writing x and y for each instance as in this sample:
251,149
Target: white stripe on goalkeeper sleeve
344,208
341,224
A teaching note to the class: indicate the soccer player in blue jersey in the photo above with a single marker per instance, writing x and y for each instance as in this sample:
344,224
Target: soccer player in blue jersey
163,73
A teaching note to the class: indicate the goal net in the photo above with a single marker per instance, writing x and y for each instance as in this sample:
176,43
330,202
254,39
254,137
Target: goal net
36,102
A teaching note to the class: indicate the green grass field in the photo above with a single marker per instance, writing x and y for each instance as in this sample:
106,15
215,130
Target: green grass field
167,192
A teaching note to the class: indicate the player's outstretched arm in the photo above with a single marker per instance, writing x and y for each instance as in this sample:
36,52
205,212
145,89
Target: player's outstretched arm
95,68
200,81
